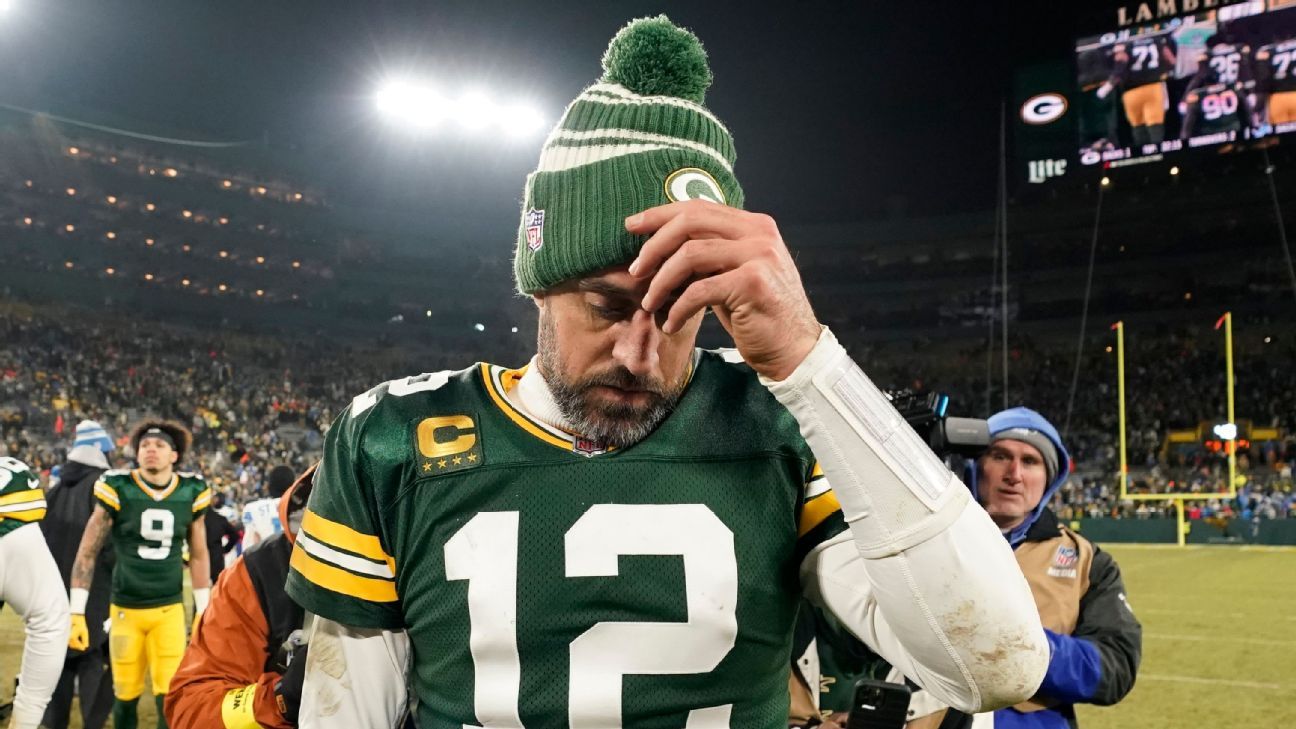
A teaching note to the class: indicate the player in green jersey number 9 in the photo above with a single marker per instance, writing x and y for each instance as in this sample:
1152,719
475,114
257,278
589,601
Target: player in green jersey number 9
147,513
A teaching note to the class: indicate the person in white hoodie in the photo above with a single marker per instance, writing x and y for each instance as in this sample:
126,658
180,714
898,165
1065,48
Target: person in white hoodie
70,504
29,584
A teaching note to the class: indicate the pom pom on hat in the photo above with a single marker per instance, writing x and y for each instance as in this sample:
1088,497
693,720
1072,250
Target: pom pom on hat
654,57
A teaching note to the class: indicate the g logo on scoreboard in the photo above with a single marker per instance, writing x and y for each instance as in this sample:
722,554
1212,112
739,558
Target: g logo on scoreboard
1044,108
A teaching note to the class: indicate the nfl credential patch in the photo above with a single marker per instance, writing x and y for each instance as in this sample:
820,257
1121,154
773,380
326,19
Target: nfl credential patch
1064,562
447,443
535,228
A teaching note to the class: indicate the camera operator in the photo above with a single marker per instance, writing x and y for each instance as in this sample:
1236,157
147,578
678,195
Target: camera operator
1013,463
1095,641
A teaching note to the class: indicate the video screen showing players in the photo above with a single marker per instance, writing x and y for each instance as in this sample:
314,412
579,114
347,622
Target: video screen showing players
1226,76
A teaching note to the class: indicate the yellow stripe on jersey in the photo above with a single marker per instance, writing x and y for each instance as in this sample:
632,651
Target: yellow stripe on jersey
339,580
817,472
816,510
24,506
203,500
22,497
502,403
108,495
155,493
35,513
341,536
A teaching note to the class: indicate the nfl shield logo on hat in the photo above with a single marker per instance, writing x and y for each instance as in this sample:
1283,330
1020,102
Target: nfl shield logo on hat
535,228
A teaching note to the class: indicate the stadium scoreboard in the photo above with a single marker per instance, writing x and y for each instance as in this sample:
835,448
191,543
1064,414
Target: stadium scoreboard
1216,76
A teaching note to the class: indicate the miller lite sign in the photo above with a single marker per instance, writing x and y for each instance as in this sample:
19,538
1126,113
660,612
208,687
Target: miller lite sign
1041,170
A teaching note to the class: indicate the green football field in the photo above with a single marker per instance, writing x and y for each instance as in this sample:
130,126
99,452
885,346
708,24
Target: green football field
1219,640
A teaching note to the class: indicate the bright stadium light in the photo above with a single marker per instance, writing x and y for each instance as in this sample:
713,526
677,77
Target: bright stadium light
475,112
417,106
1226,431
479,327
521,120
414,105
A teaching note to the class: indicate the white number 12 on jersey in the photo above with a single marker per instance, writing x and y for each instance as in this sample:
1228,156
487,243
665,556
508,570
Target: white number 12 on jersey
484,552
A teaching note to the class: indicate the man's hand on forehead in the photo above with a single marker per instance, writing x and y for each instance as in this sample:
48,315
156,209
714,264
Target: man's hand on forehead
735,262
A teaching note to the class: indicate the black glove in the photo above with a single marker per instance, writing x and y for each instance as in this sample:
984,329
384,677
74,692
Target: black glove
288,689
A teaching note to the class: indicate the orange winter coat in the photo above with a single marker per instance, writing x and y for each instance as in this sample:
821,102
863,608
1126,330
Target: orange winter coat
228,658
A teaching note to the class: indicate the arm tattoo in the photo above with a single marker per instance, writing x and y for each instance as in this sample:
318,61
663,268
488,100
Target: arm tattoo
98,529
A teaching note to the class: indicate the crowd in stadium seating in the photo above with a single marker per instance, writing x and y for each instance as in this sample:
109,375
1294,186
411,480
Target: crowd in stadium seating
138,234
102,212
254,402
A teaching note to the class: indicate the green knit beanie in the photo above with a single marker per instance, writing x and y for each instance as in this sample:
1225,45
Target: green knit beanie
637,138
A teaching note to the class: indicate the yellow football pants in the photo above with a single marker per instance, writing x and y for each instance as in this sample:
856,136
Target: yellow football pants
1145,104
145,636
1282,107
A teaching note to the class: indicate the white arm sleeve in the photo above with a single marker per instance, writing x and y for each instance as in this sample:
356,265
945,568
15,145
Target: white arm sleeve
931,585
30,583
355,677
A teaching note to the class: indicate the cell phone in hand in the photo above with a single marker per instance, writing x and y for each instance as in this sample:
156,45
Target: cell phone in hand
878,705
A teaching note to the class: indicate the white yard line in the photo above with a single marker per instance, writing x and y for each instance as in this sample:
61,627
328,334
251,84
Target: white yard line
1195,613
1219,639
1211,681
1275,548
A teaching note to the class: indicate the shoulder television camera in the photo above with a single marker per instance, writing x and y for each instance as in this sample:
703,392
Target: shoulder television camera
951,438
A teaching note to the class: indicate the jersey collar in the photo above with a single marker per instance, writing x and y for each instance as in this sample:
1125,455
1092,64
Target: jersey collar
523,395
153,493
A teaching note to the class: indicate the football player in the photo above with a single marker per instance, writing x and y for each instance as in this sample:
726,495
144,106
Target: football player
148,512
618,534
1097,114
1213,109
1223,61
1140,69
1276,81
31,585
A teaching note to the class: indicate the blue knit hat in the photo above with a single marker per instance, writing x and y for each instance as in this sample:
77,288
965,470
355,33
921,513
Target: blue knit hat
88,432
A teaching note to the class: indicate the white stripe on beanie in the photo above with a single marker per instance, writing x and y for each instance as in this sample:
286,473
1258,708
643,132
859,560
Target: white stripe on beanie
632,135
626,96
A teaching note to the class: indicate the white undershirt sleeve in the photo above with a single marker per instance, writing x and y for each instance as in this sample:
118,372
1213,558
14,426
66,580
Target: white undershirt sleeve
30,583
355,677
931,584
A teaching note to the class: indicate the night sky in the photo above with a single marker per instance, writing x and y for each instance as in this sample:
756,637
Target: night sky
840,110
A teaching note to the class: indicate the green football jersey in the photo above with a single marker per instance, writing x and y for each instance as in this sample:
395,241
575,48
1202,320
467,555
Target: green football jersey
547,581
21,499
150,526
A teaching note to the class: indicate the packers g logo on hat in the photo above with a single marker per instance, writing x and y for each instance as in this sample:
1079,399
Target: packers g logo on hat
693,183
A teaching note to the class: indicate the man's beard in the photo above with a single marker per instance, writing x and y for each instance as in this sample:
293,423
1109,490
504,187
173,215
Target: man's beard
152,470
614,424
